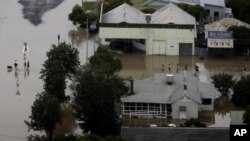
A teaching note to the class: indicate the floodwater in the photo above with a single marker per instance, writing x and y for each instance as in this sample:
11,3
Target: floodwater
18,90
139,66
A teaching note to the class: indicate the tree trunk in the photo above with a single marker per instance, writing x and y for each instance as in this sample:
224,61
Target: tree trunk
49,135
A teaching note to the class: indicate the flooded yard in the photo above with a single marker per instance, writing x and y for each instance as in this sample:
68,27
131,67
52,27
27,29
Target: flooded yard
39,26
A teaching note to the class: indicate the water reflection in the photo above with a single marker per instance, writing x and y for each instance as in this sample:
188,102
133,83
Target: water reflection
222,105
33,10
17,81
77,36
68,124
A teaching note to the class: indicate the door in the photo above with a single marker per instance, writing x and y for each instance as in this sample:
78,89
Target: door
185,49
159,47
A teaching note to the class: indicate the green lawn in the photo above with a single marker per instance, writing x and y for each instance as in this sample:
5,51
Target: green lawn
138,3
89,5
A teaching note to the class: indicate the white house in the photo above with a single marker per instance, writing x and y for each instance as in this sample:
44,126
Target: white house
178,96
216,8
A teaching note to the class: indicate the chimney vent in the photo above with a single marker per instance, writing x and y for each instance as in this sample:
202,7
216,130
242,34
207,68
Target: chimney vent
148,18
131,86
170,79
185,87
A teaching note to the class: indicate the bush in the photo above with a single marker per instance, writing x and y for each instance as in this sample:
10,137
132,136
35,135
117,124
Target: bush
148,10
194,123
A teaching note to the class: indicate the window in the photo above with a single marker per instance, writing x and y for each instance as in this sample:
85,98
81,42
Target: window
206,101
183,108
216,16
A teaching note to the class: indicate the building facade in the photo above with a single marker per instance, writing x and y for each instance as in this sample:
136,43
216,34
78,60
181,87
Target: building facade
216,8
176,96
168,31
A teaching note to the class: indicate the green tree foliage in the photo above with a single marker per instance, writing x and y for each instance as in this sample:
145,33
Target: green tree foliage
105,62
68,56
241,96
79,17
223,82
195,10
115,3
45,114
148,10
240,9
62,63
54,79
96,90
222,105
240,32
246,116
194,123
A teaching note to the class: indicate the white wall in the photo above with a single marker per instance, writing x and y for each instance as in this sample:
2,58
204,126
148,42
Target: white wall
192,108
158,40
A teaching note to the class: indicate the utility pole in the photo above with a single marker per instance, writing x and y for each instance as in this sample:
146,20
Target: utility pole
87,39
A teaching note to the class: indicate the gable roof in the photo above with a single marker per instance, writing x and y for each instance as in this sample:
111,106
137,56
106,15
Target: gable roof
124,13
155,89
192,92
224,24
220,3
172,14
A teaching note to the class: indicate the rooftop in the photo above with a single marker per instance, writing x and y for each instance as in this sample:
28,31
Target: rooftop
156,90
172,14
124,13
169,14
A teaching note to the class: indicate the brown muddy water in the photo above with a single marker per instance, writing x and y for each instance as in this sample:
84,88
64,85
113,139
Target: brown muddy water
18,90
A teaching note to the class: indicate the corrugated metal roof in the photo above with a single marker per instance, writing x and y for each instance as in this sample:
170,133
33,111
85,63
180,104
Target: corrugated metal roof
213,2
224,24
155,90
220,3
208,90
124,13
192,92
172,14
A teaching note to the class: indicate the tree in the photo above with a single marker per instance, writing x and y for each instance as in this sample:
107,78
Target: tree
222,105
68,56
241,96
53,75
45,114
195,10
96,90
77,16
239,9
223,82
114,3
246,116
105,62
62,63
148,10
240,32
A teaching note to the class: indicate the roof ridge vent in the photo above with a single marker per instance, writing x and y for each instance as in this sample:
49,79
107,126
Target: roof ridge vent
170,79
